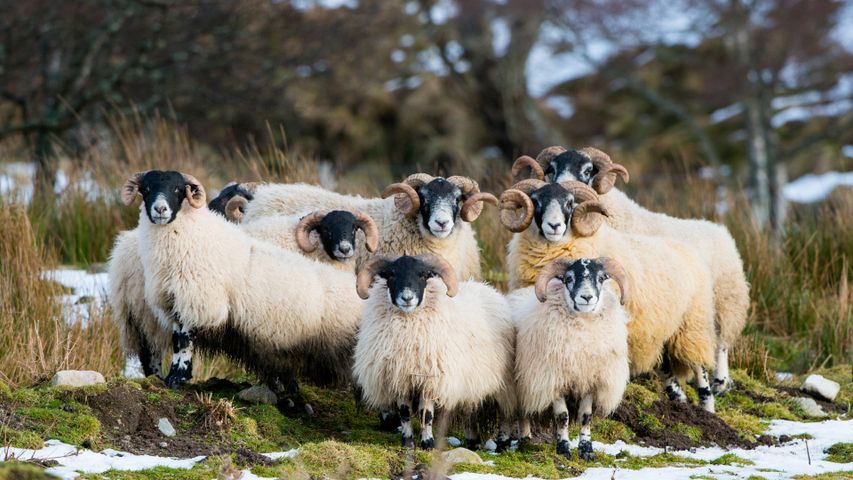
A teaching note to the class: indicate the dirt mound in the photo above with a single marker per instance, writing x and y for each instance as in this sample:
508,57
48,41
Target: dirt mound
671,420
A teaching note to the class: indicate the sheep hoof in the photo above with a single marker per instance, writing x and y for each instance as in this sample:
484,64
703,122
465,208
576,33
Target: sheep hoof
585,450
721,386
472,444
175,381
502,444
564,449
389,422
524,444
408,442
427,444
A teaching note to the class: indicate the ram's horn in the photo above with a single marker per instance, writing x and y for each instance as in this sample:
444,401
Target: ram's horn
588,217
236,208
305,226
364,278
526,161
556,268
511,200
368,226
196,196
408,201
444,270
581,191
473,206
417,180
546,155
605,178
614,270
529,186
131,188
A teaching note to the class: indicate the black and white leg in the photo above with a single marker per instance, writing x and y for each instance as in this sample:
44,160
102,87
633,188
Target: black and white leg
404,408
150,360
524,436
703,389
722,380
181,369
504,439
670,382
561,420
388,421
585,421
472,438
427,416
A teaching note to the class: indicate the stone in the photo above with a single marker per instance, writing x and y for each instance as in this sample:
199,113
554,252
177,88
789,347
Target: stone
461,455
258,394
166,428
163,444
821,386
490,445
810,407
77,378
454,442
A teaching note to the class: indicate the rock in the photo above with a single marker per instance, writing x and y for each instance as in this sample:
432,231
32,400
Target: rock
454,442
784,376
166,427
823,387
490,445
76,378
163,444
258,394
461,455
810,407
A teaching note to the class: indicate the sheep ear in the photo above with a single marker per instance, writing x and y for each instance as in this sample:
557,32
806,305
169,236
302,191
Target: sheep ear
131,188
555,285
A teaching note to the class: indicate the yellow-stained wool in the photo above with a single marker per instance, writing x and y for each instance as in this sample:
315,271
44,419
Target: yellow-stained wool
456,351
256,302
672,299
560,352
398,234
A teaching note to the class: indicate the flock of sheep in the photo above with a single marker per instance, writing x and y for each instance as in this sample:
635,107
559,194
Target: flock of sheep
297,282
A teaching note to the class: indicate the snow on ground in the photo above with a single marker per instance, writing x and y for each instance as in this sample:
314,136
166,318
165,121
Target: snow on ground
777,462
814,188
89,291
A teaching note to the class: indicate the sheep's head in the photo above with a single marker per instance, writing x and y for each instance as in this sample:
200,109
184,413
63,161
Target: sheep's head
336,231
439,202
552,207
581,281
232,200
406,278
163,193
587,165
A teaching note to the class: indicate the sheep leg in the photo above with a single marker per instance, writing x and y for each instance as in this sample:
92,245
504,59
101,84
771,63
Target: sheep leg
151,360
427,415
404,408
561,419
670,382
703,389
524,434
504,439
585,421
472,439
181,369
388,421
722,381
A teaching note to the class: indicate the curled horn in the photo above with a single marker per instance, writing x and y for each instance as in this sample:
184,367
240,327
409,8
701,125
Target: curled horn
196,196
371,231
364,278
131,188
525,161
409,202
546,155
614,270
588,217
554,269
417,180
303,230
444,270
581,191
511,201
605,179
473,206
529,186
235,208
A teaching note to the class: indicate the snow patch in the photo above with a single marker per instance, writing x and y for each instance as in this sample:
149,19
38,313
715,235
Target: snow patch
89,291
813,188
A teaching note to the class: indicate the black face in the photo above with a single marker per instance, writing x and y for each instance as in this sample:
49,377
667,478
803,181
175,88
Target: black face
407,279
227,193
583,280
552,210
337,233
571,165
440,204
162,193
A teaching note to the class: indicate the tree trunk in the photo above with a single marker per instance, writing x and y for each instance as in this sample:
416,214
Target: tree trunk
45,161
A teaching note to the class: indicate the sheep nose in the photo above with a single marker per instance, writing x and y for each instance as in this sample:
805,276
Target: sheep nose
160,209
442,223
587,298
345,248
554,226
408,296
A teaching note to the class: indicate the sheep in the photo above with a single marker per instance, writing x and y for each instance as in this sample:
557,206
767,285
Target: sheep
712,241
422,217
140,333
673,304
448,352
572,342
237,295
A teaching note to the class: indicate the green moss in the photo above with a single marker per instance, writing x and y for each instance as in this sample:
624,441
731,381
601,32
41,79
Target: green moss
347,461
640,396
665,459
649,422
5,391
21,471
802,436
608,431
73,428
746,425
702,477
840,453
746,383
211,467
689,431
775,410
756,477
21,439
827,476
731,459
26,396
538,461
